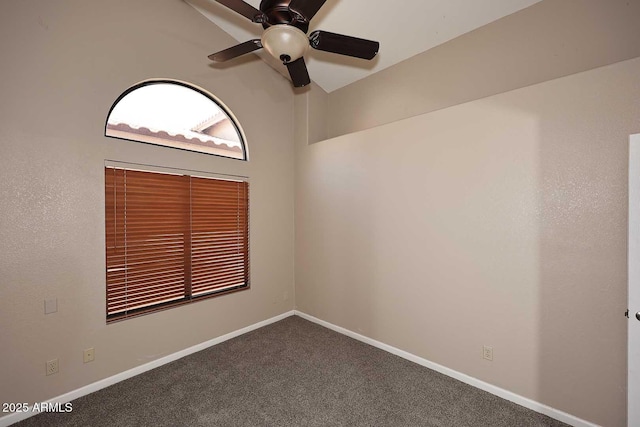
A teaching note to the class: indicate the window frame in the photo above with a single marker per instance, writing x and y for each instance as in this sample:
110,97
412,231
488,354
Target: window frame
210,96
187,286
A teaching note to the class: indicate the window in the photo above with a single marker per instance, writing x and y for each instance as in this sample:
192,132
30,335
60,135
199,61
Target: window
175,114
172,239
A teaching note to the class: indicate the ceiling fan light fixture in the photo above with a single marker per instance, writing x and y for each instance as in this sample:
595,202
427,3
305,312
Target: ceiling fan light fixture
285,42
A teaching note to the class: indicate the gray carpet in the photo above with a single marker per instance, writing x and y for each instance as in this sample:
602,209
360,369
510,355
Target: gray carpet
292,373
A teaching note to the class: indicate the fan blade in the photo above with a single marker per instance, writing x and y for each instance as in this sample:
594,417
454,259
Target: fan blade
235,51
344,45
298,72
244,9
306,8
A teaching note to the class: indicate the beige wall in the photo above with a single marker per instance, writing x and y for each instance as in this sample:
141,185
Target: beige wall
547,40
64,63
496,222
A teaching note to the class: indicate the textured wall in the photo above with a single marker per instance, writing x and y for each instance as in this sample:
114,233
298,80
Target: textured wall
548,40
497,222
64,63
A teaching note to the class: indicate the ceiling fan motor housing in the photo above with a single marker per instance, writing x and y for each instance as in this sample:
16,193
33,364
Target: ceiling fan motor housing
277,12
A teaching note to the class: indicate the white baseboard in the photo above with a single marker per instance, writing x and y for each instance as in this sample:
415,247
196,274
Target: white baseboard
505,394
500,392
98,385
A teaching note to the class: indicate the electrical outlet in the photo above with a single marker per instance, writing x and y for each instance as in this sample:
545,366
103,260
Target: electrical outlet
487,352
52,367
89,355
50,306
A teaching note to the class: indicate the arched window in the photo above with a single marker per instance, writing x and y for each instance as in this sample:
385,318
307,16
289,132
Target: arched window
178,115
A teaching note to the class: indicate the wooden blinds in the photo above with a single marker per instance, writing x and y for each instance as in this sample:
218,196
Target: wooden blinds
172,239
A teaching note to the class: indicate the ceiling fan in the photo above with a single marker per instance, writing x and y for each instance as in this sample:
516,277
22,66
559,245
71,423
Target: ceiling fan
286,23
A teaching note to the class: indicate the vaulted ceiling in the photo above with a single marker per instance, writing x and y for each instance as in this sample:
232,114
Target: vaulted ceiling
404,29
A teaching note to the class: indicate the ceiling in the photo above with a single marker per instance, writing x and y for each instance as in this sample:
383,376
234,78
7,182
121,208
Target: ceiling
409,28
